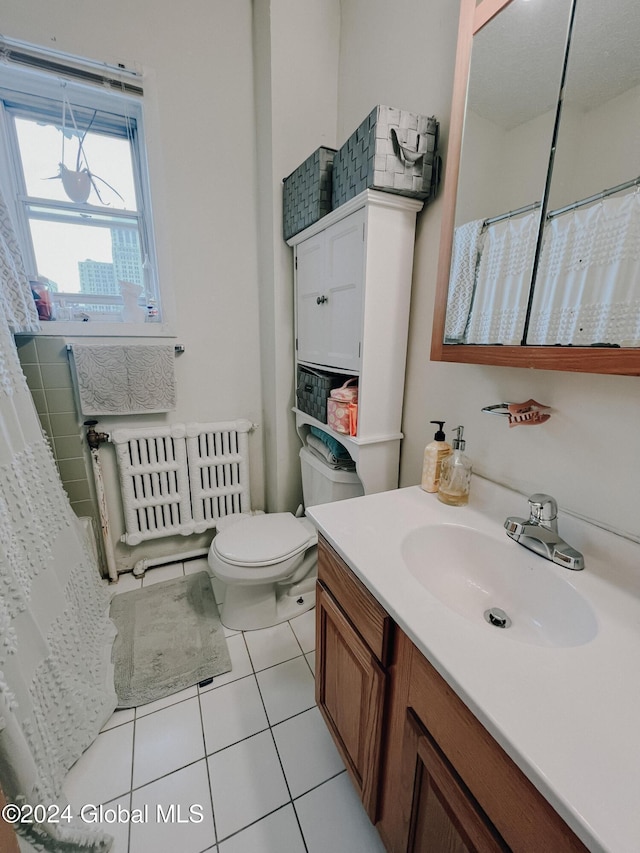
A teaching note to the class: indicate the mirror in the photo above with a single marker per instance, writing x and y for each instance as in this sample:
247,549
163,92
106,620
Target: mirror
587,287
510,295
516,64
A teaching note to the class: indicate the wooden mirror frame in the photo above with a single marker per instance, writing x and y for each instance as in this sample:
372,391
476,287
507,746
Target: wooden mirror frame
616,360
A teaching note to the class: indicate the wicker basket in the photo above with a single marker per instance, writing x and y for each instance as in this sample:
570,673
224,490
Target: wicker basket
393,150
307,192
313,389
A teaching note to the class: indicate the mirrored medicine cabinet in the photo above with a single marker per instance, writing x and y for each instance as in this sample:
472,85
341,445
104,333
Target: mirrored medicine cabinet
539,260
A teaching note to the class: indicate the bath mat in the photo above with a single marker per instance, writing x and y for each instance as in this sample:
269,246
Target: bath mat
169,637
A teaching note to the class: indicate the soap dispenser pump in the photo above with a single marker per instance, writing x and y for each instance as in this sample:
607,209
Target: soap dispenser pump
434,453
455,475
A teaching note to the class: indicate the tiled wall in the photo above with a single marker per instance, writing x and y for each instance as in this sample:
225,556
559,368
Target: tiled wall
46,366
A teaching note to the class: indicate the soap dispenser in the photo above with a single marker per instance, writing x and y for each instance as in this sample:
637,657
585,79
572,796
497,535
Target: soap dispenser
434,453
455,475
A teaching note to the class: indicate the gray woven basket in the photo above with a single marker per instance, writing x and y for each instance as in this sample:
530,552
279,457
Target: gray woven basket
307,192
392,150
313,389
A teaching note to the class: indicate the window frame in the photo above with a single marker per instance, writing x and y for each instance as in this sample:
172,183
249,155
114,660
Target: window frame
25,92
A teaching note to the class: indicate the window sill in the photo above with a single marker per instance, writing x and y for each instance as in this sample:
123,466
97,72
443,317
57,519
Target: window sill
75,329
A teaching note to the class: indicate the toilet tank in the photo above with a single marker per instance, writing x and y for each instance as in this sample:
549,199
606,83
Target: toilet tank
322,484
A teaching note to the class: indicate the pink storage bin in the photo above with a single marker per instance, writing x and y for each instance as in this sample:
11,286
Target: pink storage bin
342,408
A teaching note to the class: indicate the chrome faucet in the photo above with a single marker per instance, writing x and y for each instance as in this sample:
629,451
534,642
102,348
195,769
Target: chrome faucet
539,533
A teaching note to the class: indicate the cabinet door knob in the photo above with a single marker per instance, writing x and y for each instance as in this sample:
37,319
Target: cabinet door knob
321,300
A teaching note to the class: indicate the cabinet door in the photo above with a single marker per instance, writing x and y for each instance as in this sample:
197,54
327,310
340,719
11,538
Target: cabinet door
310,285
444,816
344,291
329,294
350,692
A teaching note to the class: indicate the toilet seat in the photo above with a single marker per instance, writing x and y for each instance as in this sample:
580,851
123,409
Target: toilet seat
264,540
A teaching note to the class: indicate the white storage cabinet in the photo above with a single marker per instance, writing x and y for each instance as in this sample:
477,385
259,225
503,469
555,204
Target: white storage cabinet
353,273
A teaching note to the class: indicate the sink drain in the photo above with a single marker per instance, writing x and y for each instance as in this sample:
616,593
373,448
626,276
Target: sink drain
497,617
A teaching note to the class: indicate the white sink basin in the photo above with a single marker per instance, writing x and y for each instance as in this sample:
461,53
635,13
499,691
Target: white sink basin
471,572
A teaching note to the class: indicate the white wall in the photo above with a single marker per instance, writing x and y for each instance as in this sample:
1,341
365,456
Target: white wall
597,148
505,169
199,108
404,55
296,45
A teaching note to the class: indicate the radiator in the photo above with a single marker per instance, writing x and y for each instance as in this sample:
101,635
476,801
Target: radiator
180,479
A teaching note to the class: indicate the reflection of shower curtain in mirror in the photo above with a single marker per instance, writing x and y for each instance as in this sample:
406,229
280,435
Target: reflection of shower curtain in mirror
588,283
503,281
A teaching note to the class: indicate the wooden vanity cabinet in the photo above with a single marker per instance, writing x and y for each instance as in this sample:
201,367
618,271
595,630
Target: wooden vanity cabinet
353,639
442,763
431,777
444,815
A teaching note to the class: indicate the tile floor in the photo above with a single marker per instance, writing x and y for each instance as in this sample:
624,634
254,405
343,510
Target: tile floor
244,765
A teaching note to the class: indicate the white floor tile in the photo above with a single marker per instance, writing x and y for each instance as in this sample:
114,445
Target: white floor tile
127,582
187,789
306,751
192,567
103,772
270,646
231,713
246,783
287,689
115,823
277,833
127,715
332,818
240,664
311,660
172,699
304,627
167,740
157,574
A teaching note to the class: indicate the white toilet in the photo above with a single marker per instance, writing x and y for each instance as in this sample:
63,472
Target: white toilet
269,562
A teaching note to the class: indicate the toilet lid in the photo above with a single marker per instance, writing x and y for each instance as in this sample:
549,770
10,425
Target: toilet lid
262,539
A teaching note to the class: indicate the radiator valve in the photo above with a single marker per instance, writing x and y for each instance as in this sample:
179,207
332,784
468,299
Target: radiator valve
95,439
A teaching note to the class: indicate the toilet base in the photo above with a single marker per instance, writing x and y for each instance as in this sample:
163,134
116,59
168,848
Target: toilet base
249,608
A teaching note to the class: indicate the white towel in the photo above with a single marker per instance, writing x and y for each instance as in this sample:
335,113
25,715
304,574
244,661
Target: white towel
125,380
466,247
320,449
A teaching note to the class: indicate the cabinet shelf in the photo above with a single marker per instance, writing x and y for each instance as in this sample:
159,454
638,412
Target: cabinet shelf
349,441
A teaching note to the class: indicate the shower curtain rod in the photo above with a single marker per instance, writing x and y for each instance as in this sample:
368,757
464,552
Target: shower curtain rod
517,212
560,210
597,197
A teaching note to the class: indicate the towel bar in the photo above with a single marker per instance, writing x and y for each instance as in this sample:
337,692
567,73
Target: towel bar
179,348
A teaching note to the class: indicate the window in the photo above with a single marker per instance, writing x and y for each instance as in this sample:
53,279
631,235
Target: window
76,168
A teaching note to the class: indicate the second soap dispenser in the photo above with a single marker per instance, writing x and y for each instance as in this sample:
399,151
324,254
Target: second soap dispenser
434,453
455,474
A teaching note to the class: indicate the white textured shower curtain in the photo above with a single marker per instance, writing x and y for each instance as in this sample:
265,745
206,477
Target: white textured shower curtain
503,280
56,684
588,283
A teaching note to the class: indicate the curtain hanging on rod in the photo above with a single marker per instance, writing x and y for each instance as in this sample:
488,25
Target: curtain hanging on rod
56,679
502,283
588,283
